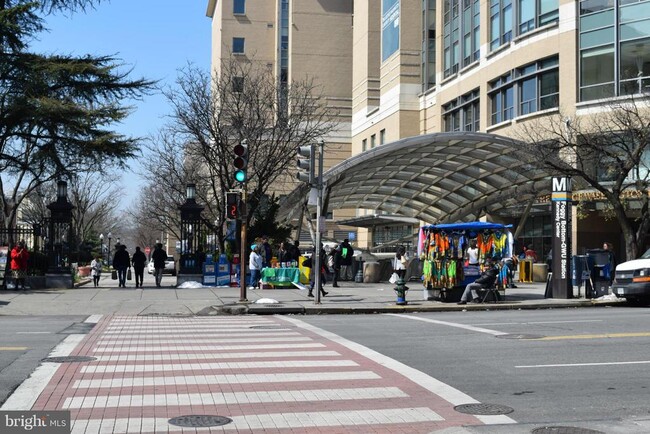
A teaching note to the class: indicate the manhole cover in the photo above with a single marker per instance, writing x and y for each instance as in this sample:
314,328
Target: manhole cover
69,359
564,430
199,421
484,409
519,336
270,327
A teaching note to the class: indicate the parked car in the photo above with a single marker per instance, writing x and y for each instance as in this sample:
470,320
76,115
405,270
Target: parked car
170,266
632,279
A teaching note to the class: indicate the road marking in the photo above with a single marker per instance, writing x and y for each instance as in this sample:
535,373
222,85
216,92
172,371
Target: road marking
564,365
278,421
215,366
127,342
445,391
13,348
205,347
226,379
26,394
94,318
537,322
450,324
594,336
229,398
33,333
200,356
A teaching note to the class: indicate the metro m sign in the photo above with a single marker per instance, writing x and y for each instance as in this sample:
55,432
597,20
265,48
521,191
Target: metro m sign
561,258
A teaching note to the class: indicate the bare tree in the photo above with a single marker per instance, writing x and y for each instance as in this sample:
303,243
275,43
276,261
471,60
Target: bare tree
211,114
608,151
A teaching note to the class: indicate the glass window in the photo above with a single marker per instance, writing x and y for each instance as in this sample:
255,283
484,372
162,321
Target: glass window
390,23
635,67
526,15
589,6
635,12
373,139
382,137
364,145
597,37
595,21
239,7
238,45
462,113
549,90
528,96
461,34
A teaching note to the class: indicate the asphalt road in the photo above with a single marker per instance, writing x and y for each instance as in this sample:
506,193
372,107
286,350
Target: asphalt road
24,341
588,368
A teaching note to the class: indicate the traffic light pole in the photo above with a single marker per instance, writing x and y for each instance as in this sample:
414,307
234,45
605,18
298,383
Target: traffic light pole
318,260
243,212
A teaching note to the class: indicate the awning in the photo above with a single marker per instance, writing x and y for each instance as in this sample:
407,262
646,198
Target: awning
368,221
435,178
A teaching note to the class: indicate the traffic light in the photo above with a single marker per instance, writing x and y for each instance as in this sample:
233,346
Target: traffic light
241,162
306,165
232,205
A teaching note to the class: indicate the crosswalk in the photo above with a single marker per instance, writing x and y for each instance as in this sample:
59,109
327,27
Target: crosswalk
265,374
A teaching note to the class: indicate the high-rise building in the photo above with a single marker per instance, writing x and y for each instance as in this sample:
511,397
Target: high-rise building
404,68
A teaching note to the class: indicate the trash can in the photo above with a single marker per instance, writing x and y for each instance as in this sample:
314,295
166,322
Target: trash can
600,264
540,272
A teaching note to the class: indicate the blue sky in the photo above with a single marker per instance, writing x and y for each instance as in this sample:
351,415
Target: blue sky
154,37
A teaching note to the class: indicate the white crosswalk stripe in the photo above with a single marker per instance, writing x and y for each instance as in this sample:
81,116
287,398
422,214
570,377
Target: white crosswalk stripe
215,366
257,397
147,348
357,418
226,379
213,356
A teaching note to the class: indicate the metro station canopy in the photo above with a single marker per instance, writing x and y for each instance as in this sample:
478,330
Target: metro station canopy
436,178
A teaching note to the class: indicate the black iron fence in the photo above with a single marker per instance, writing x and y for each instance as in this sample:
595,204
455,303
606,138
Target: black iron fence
32,236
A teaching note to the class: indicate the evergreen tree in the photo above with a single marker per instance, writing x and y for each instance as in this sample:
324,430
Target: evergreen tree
56,111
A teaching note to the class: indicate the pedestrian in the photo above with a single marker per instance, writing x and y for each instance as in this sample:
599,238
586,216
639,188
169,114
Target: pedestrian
96,270
485,280
399,262
19,258
472,253
138,261
266,252
609,248
255,266
121,263
284,255
334,263
312,275
295,250
159,256
346,260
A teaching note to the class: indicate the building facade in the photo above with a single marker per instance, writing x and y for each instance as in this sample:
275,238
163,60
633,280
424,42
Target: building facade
425,66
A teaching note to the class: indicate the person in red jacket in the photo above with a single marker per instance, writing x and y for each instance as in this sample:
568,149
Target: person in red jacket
19,258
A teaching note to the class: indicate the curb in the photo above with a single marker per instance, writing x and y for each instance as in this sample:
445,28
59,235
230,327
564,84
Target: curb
280,309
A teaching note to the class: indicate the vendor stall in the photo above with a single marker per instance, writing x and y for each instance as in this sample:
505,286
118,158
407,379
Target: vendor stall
281,277
442,248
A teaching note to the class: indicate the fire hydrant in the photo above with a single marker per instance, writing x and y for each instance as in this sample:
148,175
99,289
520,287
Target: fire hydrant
400,290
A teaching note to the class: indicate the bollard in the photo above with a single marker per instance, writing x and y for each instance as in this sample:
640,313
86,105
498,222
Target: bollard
358,278
400,290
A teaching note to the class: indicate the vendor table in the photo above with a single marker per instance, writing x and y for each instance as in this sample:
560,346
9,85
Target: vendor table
281,277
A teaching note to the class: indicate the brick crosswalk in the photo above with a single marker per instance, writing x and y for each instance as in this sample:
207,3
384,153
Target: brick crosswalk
282,377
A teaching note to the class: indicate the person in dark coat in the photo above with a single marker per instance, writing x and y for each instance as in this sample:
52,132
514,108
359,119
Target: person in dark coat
284,255
295,251
346,252
312,275
138,261
159,257
485,280
334,262
121,263
266,251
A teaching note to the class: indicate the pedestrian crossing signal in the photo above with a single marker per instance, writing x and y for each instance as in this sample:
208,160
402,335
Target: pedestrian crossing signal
232,205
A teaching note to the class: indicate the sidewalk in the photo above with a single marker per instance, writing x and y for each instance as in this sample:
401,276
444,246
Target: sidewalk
350,298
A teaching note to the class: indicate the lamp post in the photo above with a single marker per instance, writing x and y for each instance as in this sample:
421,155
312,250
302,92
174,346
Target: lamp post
60,229
101,245
108,252
191,231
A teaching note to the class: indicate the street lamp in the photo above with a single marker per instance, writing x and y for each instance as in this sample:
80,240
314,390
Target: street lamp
108,253
101,245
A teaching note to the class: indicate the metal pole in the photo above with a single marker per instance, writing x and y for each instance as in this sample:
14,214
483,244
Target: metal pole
242,246
319,204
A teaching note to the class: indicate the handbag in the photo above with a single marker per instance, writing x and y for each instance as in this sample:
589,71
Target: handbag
128,274
393,278
114,275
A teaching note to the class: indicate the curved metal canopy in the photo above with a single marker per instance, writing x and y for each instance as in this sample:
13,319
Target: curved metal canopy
436,178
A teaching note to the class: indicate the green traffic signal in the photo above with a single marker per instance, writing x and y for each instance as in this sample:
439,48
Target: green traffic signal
240,175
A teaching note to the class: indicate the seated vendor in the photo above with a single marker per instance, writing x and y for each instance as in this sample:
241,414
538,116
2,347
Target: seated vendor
485,280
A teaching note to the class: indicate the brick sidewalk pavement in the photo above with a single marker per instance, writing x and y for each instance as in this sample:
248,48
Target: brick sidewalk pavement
267,374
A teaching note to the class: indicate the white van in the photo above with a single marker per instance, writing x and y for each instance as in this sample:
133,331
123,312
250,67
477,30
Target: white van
632,279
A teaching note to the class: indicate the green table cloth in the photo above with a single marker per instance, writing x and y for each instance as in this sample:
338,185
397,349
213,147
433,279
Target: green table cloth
281,276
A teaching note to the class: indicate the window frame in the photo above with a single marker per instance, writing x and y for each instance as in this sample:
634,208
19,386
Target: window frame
236,39
235,3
